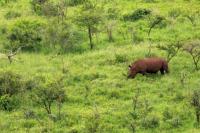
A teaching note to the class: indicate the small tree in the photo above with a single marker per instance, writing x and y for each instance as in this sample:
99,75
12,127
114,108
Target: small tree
155,21
111,20
193,48
10,54
49,93
171,49
90,16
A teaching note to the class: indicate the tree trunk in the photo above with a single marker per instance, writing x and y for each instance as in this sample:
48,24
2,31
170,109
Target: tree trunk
197,116
110,35
90,37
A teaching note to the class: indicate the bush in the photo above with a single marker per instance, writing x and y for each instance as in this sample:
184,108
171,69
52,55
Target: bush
10,83
75,2
93,122
62,36
167,114
49,8
151,122
174,13
172,117
4,2
37,5
26,34
7,103
12,14
120,58
28,124
195,102
29,114
175,122
137,14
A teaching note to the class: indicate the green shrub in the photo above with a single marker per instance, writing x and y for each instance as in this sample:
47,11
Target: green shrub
29,114
134,114
151,122
195,102
49,9
75,2
175,122
7,103
12,14
4,2
92,76
137,14
29,124
37,5
120,58
26,34
10,83
93,123
174,13
172,117
34,82
64,36
114,94
167,114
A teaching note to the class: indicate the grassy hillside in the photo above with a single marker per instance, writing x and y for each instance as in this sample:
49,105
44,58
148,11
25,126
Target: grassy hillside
109,91
99,97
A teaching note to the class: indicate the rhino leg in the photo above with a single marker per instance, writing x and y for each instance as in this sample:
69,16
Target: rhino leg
162,71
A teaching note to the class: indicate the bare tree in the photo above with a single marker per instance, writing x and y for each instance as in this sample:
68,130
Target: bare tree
10,54
193,48
171,49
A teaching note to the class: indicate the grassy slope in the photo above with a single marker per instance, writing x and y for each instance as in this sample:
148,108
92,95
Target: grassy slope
110,91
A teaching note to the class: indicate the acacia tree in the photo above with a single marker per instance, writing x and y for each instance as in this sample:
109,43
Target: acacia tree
171,49
193,48
90,16
47,94
155,21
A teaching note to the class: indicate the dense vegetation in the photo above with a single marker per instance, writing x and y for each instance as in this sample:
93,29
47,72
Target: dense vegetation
64,64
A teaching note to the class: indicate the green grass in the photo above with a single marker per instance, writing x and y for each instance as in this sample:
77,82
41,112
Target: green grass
103,71
109,91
